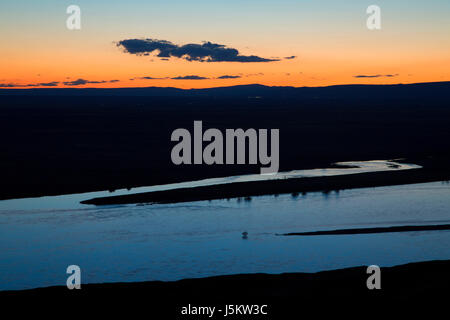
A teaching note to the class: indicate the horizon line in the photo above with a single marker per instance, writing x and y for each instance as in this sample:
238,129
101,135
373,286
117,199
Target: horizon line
217,87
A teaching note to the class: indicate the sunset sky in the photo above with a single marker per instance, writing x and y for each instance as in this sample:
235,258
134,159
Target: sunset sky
329,40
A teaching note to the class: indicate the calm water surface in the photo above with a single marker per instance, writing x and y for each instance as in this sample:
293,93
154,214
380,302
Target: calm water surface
197,239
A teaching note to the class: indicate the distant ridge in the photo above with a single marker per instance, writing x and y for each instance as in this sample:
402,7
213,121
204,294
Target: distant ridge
430,90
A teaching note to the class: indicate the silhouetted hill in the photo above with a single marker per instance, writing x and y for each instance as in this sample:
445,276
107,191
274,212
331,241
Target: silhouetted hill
432,90
101,139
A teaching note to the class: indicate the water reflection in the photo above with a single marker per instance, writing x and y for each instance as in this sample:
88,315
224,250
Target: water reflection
174,241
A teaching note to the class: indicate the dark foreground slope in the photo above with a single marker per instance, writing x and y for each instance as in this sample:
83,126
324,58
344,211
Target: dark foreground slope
404,290
56,141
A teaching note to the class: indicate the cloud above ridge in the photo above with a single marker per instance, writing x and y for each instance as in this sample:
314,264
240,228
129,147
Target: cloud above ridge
81,82
376,76
15,85
190,77
205,52
229,77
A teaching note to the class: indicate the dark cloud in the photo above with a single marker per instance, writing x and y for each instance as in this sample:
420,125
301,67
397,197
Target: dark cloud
80,82
45,84
290,57
190,77
229,77
376,76
9,85
205,52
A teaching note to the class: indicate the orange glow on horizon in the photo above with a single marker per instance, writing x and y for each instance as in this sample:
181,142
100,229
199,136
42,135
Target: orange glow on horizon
315,65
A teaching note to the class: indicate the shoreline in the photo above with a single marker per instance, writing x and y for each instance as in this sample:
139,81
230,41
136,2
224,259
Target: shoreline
394,229
294,186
